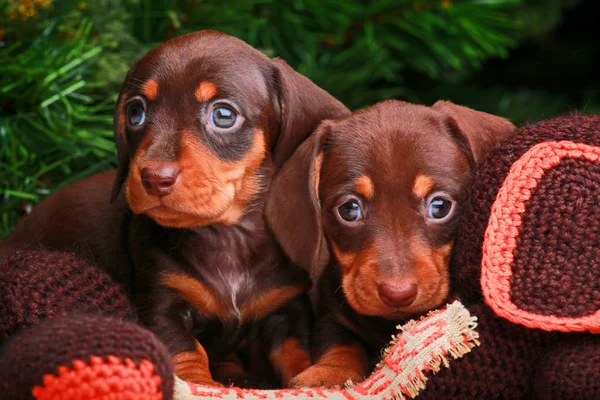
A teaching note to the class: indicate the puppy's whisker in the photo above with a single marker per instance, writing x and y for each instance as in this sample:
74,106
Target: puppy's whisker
215,182
224,194
218,187
134,84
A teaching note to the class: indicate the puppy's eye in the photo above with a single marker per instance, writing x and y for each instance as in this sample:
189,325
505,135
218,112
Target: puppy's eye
439,207
223,117
136,113
350,211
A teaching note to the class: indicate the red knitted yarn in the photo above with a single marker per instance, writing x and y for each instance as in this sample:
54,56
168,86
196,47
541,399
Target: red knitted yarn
35,285
82,354
102,380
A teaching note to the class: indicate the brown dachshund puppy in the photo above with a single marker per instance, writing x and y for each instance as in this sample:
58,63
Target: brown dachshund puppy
369,204
202,123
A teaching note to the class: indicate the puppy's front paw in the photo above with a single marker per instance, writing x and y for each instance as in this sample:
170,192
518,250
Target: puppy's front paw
329,376
192,366
199,378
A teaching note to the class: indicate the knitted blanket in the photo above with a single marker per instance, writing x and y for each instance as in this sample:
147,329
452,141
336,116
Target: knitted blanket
419,347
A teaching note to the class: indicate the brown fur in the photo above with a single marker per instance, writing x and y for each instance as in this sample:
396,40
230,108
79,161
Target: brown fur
120,116
209,190
193,366
228,370
291,358
211,304
392,159
202,298
335,367
203,270
269,301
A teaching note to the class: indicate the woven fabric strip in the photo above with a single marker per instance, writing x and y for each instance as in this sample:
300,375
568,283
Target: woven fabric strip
420,347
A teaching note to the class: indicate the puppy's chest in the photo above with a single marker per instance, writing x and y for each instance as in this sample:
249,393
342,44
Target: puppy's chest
239,278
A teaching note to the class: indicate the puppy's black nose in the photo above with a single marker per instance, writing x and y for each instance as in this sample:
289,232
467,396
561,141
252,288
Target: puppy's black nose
159,181
398,293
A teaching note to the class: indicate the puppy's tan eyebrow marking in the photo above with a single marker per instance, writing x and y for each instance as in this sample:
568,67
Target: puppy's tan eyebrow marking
422,186
364,186
150,89
205,91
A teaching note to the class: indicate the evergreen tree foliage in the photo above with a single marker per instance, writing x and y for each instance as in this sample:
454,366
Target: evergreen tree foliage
62,62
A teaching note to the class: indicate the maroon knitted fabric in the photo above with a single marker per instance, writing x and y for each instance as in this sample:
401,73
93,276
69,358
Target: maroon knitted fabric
503,367
570,371
555,272
35,285
466,259
53,343
558,248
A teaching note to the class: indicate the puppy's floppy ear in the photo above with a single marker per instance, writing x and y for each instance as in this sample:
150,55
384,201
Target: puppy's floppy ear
121,142
293,210
303,105
476,131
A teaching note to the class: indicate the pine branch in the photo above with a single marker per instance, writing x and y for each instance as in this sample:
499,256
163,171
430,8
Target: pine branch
51,123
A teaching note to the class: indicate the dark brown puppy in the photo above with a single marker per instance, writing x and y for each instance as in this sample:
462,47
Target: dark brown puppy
201,125
374,221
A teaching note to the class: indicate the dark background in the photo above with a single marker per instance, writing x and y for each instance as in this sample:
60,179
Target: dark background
62,61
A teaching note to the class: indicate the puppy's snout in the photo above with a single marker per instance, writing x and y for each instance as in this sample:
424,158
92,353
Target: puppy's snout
159,181
398,292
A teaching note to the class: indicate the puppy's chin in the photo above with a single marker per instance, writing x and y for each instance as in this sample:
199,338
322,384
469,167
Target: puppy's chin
177,211
172,218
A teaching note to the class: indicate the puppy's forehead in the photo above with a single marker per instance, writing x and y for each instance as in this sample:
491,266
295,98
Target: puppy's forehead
387,130
223,60
392,143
